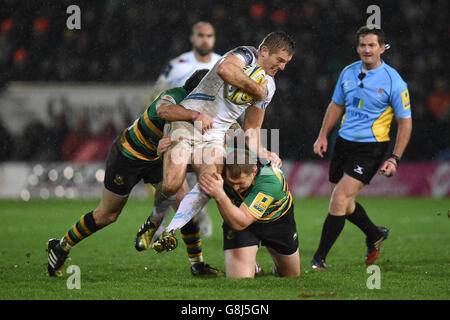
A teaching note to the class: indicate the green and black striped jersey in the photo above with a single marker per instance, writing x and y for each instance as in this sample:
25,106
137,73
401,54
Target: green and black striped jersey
268,198
140,140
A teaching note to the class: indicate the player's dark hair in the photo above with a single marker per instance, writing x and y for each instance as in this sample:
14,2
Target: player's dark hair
194,80
278,40
239,161
365,30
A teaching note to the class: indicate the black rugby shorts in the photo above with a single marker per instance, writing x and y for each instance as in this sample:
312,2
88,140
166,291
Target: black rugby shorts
360,160
280,235
122,173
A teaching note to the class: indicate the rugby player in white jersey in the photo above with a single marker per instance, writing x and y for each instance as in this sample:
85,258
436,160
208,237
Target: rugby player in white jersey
205,152
201,56
178,71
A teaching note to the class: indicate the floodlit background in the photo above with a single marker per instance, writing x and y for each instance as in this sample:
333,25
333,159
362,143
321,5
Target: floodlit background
65,94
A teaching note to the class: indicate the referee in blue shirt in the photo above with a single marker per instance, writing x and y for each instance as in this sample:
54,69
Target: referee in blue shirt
372,94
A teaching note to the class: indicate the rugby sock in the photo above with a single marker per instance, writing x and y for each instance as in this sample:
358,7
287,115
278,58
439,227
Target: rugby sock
361,220
191,237
332,227
191,204
80,230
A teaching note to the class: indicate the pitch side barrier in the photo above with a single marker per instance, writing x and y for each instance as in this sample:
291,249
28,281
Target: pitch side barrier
40,180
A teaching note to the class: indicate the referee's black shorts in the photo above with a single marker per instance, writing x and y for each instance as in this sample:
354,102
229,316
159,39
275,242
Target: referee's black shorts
360,160
122,173
280,235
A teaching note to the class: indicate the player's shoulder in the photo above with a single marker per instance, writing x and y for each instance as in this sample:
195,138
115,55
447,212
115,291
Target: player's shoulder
183,58
215,56
352,66
271,81
269,182
271,85
247,53
392,73
173,95
270,177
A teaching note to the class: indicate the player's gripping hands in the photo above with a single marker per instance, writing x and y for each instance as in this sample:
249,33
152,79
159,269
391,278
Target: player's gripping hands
212,185
202,121
164,143
272,157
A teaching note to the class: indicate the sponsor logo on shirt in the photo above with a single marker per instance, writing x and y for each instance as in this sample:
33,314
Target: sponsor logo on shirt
260,204
168,98
405,100
358,103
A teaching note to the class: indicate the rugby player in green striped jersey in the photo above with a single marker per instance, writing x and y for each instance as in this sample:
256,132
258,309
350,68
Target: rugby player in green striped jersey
257,208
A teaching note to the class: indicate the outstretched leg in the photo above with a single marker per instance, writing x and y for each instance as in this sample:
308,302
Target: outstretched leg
108,211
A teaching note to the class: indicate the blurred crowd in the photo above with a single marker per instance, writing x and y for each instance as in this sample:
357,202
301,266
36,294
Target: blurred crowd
132,41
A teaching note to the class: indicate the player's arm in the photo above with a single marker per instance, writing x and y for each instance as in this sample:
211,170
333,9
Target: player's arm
253,121
403,134
231,71
173,112
332,115
236,218
389,167
400,102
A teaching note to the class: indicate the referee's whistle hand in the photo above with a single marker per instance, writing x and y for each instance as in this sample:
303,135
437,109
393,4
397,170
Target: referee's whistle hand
320,146
387,169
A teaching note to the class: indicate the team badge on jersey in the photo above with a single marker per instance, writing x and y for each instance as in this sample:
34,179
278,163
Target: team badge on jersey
118,180
260,204
380,92
405,99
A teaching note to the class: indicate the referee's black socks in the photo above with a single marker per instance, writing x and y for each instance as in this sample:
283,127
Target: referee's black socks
361,220
332,227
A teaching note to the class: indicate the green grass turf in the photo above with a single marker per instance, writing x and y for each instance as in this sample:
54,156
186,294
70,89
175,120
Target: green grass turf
414,261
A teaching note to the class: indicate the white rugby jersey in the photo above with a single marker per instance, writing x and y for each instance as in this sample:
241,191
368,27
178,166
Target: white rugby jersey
181,68
209,96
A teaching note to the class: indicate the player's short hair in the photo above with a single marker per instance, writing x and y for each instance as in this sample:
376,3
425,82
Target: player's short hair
195,26
239,161
278,40
365,30
194,80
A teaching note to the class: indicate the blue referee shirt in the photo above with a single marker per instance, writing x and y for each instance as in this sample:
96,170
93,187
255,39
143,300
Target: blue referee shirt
370,104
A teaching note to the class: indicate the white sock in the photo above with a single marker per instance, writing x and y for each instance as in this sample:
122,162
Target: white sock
191,204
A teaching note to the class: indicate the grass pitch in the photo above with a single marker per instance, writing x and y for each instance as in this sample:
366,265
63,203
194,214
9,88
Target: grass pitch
414,261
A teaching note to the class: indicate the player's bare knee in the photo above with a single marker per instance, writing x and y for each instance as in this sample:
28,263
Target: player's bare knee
241,273
170,187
